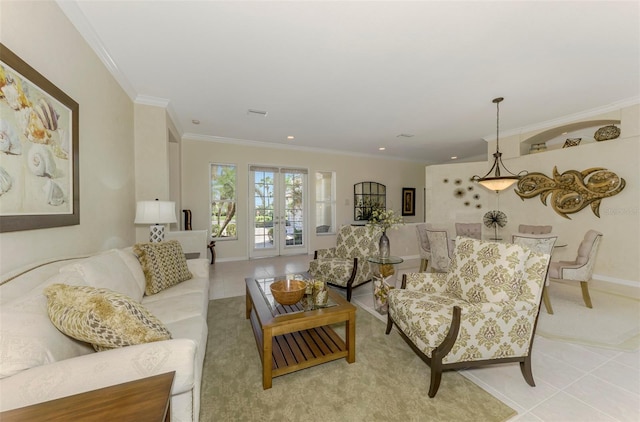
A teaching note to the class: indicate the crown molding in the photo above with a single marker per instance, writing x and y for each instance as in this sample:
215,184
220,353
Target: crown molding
71,9
289,147
570,118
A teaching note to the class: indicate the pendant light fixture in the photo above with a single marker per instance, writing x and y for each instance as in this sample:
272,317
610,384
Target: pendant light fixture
502,178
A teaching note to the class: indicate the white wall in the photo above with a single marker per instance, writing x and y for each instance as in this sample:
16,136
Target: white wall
618,259
197,154
42,36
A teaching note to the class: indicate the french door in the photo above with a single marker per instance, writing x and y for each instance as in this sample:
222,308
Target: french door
278,211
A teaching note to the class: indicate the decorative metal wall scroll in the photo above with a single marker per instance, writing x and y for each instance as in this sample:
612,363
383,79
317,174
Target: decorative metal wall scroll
572,190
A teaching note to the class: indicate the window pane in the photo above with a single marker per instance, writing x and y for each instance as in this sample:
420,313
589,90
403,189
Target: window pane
223,201
325,202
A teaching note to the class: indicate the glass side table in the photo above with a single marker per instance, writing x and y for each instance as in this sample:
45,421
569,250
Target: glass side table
383,280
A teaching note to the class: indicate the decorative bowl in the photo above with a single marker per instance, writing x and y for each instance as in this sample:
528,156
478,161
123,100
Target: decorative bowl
288,292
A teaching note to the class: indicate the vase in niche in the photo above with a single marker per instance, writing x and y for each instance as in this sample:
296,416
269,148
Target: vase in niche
385,248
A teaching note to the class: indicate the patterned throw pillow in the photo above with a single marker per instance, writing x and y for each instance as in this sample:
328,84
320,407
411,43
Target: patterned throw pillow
164,265
483,271
102,317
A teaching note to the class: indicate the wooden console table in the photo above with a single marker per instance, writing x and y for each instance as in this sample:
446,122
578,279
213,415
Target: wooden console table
143,400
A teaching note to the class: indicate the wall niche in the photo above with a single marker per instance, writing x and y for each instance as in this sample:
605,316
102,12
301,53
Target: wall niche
580,133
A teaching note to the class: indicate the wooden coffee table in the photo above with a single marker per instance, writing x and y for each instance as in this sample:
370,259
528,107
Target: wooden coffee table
290,338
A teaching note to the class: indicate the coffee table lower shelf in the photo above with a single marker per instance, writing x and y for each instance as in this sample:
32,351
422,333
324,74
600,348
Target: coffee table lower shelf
301,349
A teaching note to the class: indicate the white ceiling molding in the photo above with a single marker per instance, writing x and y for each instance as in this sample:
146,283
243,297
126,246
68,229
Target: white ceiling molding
78,19
161,102
571,118
289,147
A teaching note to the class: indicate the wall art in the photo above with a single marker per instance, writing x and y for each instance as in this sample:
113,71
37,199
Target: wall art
572,190
39,160
408,201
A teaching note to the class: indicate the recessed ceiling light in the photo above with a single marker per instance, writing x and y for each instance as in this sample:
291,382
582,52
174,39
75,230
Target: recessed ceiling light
405,135
291,137
195,121
454,157
381,149
564,133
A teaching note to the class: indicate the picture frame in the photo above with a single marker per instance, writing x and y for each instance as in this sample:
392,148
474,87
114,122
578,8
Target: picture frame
39,152
408,201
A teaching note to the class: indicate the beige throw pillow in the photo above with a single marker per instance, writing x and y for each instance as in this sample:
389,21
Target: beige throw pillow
164,265
102,317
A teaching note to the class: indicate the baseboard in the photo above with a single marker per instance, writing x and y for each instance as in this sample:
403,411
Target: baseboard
614,280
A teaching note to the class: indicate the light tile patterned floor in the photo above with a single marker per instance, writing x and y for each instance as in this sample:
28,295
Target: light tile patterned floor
573,382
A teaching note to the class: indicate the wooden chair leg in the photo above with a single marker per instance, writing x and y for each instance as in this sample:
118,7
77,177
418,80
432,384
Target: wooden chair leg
423,265
525,368
585,294
389,324
547,301
436,377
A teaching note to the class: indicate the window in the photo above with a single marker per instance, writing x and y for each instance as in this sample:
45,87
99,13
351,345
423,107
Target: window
223,201
325,202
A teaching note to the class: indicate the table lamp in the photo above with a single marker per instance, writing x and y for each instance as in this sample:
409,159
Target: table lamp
157,213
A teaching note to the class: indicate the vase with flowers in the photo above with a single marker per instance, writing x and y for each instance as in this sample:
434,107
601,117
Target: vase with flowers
385,220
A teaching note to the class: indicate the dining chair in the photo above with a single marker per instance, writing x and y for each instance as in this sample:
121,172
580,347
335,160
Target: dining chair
472,230
526,228
542,243
581,269
440,250
423,246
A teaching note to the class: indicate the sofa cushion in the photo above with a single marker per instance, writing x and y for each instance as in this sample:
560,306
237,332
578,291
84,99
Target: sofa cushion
27,336
164,264
108,270
486,271
102,317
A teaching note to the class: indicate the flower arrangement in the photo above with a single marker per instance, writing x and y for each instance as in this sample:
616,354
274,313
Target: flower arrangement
385,219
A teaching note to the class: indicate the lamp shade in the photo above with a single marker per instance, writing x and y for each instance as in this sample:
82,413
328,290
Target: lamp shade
497,183
155,212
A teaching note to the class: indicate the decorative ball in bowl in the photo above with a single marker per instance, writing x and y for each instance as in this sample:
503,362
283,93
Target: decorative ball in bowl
288,292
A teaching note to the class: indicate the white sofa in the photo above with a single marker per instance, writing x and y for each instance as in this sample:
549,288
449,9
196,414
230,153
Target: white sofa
38,363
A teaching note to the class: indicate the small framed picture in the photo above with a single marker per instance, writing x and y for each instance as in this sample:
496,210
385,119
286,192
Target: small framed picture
408,201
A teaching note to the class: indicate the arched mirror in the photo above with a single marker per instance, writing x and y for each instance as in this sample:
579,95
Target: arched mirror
368,196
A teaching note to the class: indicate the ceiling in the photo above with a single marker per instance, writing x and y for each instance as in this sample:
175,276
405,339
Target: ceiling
353,76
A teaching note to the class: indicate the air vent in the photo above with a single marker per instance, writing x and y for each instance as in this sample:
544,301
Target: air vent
405,135
253,112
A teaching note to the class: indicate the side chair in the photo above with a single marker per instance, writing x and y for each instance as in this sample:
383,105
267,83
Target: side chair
440,250
345,265
542,243
483,311
472,230
581,269
526,228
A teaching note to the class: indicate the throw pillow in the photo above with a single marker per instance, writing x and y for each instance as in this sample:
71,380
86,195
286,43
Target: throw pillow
163,263
110,271
486,271
102,317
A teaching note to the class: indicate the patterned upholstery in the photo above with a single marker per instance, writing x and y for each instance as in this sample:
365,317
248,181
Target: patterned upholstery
452,332
582,268
346,265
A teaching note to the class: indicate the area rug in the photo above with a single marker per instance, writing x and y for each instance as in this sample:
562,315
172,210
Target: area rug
387,381
613,322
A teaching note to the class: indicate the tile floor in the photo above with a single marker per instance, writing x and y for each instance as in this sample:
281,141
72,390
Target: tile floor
573,382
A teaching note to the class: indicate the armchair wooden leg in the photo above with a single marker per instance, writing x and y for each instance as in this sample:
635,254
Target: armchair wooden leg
389,323
525,368
547,301
585,294
436,377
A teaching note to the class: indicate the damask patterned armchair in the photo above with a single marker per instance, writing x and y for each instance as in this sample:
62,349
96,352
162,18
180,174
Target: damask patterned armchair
346,265
483,311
